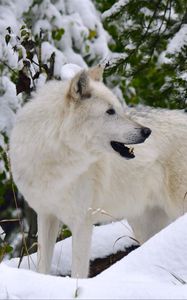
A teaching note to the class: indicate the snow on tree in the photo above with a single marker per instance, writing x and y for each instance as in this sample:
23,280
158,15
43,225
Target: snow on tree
153,37
69,30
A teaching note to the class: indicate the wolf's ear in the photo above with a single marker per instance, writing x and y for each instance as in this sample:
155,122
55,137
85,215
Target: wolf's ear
96,73
79,86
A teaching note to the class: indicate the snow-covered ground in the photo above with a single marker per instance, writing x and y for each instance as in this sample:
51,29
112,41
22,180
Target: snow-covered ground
156,270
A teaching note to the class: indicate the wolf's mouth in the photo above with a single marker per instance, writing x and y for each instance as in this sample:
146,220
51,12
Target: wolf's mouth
122,149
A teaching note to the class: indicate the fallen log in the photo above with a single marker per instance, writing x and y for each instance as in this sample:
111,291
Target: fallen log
98,265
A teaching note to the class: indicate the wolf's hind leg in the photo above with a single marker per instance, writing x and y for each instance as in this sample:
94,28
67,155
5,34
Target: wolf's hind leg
48,226
151,221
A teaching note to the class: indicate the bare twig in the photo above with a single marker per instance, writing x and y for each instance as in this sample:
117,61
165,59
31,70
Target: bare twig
178,278
10,220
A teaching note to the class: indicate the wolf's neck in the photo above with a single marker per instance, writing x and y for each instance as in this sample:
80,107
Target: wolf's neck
75,163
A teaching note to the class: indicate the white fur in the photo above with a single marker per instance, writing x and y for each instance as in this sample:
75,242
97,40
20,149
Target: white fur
64,165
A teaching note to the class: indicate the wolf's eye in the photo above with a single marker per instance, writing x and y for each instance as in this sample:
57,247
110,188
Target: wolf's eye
111,111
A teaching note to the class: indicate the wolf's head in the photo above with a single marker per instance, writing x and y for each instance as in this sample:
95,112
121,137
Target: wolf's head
96,118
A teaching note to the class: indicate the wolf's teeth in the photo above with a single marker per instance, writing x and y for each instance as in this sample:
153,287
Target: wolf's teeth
131,150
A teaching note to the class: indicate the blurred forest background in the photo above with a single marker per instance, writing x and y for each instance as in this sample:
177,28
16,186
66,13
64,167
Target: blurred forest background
141,43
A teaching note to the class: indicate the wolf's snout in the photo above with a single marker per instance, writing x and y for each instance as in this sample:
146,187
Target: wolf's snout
145,131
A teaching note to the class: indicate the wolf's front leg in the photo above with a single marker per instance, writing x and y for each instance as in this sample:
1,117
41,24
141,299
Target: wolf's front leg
48,227
81,248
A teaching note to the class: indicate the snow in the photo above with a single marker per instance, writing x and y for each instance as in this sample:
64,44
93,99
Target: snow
81,18
116,7
88,17
175,45
183,75
146,11
156,270
179,40
2,233
60,59
8,105
69,70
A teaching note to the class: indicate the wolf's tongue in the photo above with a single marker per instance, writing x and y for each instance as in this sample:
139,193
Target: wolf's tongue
122,149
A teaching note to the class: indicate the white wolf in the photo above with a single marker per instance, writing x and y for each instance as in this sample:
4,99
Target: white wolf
69,159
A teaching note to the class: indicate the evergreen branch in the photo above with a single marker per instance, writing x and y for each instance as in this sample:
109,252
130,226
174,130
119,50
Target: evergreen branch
6,65
125,61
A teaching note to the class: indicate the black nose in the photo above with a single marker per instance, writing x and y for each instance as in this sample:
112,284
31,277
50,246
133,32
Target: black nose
145,131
